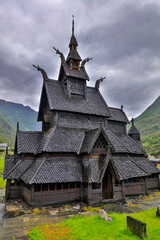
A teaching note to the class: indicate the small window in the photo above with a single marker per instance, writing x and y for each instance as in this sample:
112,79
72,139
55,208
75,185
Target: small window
37,188
77,184
65,185
95,185
58,186
51,187
72,185
45,187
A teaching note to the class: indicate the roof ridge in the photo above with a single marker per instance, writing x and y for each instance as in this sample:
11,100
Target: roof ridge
35,173
107,159
113,135
14,167
21,131
115,108
137,164
27,167
112,160
79,150
49,138
137,144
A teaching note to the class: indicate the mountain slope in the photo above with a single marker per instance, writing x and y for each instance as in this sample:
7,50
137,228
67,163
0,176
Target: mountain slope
7,132
14,112
148,123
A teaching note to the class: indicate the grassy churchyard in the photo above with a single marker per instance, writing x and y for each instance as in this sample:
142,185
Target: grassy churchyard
89,226
95,228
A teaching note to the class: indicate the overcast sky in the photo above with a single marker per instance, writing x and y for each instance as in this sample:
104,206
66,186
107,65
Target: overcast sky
122,37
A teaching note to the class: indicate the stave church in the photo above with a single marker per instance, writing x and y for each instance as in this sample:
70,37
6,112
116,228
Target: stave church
83,152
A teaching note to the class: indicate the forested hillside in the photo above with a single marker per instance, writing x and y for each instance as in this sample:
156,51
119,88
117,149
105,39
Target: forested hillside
7,132
148,123
14,112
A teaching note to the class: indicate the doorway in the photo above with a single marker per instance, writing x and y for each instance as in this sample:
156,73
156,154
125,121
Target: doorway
107,185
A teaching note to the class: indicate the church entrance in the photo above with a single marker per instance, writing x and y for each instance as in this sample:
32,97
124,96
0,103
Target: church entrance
107,185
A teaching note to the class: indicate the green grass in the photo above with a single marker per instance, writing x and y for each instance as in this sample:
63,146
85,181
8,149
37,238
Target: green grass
2,182
95,228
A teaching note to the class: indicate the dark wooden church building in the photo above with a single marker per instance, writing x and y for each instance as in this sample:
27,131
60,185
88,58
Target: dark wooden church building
83,152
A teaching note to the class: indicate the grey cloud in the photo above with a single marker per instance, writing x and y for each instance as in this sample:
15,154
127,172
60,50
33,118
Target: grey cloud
122,37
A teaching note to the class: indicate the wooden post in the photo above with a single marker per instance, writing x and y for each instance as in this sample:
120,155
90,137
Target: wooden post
158,181
123,190
146,187
81,186
32,194
8,183
89,193
113,183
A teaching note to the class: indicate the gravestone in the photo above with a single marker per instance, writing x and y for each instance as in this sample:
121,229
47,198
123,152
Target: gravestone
136,226
103,214
158,211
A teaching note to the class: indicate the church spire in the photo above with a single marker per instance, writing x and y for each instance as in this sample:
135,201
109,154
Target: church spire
73,57
73,25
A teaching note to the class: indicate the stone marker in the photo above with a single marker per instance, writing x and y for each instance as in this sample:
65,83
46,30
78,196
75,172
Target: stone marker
103,214
136,226
158,211
12,208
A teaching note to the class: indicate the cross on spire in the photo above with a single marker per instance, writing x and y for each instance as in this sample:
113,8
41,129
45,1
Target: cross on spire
132,121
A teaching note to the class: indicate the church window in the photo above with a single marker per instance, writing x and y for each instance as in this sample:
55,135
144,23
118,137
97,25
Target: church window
100,142
96,185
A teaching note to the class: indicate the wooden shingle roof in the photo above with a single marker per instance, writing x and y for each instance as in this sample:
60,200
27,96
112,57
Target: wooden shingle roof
59,100
118,115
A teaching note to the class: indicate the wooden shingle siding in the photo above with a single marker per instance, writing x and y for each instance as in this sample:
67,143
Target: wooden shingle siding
135,188
47,198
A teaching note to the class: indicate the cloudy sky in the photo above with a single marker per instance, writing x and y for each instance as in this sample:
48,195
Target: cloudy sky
122,37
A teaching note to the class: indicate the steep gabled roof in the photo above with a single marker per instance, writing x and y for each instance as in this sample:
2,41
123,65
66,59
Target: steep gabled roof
125,167
27,141
74,55
118,115
18,169
146,165
62,139
9,164
73,41
52,170
82,74
59,100
133,130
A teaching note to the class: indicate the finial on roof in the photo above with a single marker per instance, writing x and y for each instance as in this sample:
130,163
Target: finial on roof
60,54
132,121
17,126
100,123
97,84
73,25
84,61
122,107
44,74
